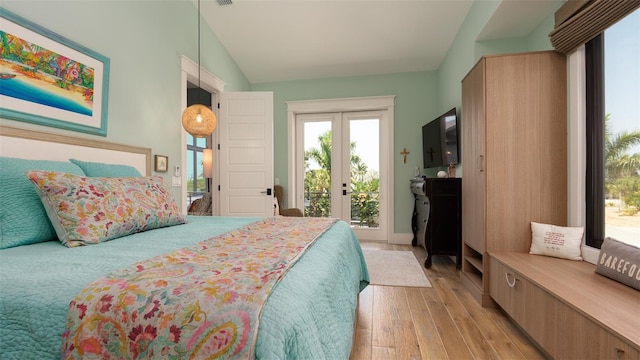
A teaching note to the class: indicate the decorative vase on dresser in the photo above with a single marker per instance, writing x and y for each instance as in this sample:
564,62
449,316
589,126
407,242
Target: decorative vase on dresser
514,157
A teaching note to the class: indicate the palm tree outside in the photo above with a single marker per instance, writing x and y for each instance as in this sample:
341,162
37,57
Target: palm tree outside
622,184
622,169
365,184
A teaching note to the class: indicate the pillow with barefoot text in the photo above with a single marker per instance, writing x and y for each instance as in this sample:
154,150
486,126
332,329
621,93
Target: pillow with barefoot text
557,241
619,261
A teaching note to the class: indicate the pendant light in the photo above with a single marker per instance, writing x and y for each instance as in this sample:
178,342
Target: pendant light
198,120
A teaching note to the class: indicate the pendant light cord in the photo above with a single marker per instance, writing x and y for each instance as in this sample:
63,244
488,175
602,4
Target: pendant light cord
199,52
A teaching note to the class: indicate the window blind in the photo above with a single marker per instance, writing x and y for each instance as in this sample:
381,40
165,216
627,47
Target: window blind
578,21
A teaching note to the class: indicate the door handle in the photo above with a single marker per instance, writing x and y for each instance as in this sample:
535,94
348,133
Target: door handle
268,191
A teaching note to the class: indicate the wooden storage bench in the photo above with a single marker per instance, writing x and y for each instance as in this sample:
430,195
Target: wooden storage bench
570,311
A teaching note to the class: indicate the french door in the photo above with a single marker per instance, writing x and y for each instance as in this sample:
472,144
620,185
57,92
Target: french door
340,169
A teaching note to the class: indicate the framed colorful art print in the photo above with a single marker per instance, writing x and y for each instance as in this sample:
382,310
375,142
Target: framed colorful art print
49,80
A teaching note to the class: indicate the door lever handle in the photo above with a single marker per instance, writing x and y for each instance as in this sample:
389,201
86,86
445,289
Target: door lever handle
268,191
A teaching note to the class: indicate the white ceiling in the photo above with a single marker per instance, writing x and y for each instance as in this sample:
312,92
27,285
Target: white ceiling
279,40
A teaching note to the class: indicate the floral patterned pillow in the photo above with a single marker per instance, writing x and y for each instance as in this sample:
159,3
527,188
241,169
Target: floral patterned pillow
89,210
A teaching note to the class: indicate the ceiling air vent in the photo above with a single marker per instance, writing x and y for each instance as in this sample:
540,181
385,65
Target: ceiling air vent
225,2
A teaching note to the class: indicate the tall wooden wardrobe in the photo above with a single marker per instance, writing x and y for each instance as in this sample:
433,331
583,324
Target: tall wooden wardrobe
514,157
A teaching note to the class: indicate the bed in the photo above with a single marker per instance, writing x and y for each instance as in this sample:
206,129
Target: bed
160,293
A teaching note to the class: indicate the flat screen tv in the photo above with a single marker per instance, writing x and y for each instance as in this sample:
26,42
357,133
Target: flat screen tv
440,141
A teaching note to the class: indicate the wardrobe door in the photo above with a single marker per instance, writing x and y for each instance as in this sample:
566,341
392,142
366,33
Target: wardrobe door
474,265
473,158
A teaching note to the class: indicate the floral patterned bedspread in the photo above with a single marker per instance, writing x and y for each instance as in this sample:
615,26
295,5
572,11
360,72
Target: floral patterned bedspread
203,301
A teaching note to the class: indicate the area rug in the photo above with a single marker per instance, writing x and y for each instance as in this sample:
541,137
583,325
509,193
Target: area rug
395,268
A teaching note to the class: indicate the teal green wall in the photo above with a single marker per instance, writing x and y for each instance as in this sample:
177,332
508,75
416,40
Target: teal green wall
467,50
539,38
415,104
144,41
421,97
461,55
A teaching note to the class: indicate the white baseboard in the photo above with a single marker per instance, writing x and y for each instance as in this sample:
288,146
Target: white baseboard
401,239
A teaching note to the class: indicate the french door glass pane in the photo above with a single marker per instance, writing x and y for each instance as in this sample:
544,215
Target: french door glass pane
365,172
317,169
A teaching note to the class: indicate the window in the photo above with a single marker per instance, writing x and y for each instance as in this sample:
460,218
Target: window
196,183
612,64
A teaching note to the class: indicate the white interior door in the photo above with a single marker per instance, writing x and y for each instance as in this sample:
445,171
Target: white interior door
246,153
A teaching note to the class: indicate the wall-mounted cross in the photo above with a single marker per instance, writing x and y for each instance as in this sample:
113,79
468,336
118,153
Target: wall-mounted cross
404,154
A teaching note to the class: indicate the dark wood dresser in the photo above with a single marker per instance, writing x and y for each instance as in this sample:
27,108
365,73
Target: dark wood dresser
443,232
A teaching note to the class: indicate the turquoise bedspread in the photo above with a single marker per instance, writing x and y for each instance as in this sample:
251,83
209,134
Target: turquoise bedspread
310,314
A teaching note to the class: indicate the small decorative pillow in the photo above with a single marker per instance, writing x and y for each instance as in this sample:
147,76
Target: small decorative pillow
558,241
88,210
95,169
620,262
23,219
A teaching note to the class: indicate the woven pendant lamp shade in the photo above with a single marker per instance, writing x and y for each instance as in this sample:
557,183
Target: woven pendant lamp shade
199,121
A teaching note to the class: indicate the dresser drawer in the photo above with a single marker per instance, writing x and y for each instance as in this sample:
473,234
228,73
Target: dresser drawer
619,350
508,289
560,324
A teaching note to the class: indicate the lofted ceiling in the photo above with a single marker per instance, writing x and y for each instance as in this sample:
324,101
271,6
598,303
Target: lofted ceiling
280,40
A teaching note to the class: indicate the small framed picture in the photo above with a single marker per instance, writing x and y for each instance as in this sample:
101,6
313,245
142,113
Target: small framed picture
161,163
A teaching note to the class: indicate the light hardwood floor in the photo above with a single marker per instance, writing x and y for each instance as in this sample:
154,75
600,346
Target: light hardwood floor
441,322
